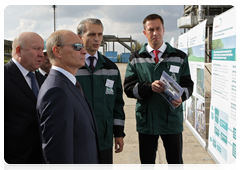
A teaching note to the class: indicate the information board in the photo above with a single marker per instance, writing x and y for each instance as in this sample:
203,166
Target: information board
222,129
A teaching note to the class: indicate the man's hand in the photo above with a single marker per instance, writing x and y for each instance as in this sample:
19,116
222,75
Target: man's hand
157,86
119,144
176,103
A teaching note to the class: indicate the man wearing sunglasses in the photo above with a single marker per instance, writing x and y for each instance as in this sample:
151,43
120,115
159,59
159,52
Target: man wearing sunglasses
69,130
101,82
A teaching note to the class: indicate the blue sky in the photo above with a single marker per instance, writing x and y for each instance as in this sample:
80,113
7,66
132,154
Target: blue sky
229,42
199,50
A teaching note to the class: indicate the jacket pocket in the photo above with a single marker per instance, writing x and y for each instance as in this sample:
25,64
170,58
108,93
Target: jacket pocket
108,134
175,117
141,115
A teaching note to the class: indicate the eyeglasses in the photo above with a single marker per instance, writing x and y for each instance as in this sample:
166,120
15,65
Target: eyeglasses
76,46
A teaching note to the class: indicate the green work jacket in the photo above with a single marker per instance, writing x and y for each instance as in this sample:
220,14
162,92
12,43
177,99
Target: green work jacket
103,89
154,114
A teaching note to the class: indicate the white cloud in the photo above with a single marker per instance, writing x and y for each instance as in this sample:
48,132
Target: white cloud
24,26
38,12
122,21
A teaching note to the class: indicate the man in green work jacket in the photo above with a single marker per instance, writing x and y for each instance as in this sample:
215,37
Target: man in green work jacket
101,82
155,116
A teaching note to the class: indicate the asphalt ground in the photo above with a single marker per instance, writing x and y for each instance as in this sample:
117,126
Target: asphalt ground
195,157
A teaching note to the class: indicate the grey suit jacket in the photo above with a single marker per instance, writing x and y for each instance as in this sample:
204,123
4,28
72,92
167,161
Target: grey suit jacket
69,131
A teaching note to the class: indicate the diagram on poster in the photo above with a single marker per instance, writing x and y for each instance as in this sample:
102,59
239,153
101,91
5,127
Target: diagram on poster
224,136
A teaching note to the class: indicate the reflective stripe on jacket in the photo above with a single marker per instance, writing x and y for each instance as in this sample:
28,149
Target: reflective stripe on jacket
106,99
153,113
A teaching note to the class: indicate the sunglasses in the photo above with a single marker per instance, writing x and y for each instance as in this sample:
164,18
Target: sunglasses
76,46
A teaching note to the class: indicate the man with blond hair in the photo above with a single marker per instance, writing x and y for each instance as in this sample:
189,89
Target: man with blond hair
22,143
69,130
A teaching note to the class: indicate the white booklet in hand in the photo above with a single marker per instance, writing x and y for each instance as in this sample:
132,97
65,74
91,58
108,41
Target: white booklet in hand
172,89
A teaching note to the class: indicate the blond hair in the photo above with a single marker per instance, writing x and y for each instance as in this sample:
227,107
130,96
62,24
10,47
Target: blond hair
18,41
55,39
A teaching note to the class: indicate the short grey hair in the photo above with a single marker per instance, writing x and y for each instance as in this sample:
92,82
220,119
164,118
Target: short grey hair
81,26
22,40
18,41
55,39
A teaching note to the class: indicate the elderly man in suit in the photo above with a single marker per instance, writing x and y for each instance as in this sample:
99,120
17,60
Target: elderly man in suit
22,143
68,124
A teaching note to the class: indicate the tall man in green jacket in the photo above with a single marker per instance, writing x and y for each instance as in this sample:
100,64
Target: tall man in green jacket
101,82
155,117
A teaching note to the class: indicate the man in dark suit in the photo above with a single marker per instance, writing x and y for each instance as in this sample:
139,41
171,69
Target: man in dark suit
68,124
22,143
45,65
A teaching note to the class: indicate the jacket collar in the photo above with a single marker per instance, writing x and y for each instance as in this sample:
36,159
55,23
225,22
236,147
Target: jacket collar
17,77
78,95
100,63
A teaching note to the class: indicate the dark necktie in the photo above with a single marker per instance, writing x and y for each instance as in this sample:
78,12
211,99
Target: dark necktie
33,83
79,87
91,62
46,75
155,52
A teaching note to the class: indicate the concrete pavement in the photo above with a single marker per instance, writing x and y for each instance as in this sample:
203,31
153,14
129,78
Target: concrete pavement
193,152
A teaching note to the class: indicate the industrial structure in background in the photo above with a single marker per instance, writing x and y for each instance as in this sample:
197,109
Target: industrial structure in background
195,14
112,55
113,39
7,48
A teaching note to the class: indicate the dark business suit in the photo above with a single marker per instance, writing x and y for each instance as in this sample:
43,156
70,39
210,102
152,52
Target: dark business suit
68,125
22,143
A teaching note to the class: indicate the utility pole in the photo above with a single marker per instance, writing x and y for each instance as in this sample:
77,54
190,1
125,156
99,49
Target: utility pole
54,7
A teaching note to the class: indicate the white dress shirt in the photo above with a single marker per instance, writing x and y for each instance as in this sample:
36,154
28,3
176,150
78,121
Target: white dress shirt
71,77
87,60
24,73
42,71
161,50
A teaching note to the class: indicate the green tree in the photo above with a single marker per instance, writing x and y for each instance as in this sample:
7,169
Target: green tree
190,51
139,45
217,44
